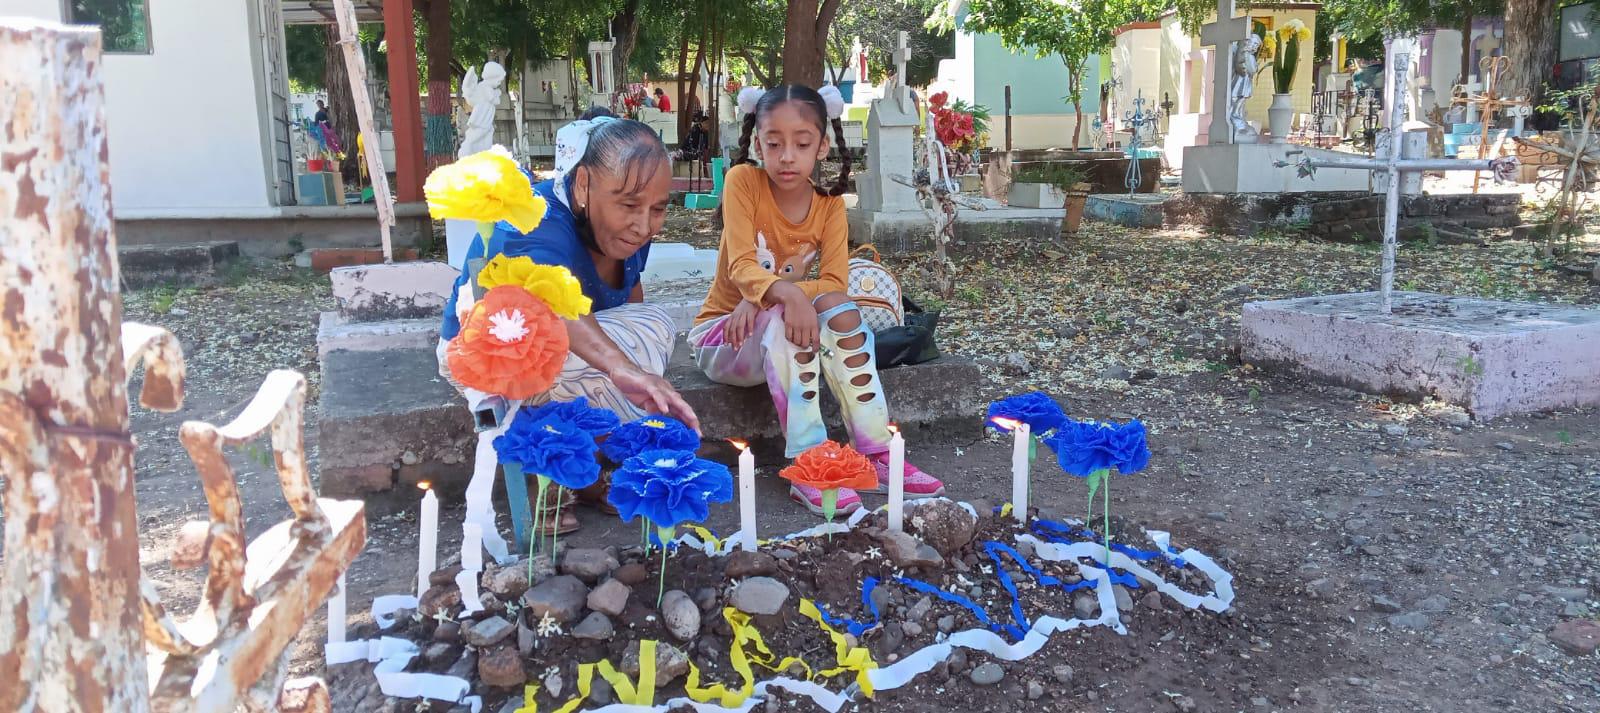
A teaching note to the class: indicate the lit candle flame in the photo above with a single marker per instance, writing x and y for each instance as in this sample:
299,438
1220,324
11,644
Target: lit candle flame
893,428
741,445
424,485
1007,424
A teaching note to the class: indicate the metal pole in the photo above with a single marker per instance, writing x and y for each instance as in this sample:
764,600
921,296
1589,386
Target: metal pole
1399,66
1008,118
71,629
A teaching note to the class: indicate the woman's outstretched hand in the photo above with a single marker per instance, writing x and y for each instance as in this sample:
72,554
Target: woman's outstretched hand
653,394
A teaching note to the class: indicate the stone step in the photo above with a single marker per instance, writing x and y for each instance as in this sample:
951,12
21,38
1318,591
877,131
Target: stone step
187,263
387,417
337,332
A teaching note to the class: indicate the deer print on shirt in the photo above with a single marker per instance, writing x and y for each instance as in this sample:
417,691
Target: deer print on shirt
793,269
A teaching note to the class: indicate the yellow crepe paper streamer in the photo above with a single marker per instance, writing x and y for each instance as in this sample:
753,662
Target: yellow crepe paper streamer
743,633
1005,510
552,284
644,694
856,658
487,186
585,677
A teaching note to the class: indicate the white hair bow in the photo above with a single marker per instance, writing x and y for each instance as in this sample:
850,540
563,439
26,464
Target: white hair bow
834,100
571,143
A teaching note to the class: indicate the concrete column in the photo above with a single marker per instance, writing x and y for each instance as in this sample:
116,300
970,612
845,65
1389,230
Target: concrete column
405,99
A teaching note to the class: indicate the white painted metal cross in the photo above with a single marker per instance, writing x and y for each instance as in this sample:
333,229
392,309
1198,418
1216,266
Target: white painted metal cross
902,88
1222,33
1390,163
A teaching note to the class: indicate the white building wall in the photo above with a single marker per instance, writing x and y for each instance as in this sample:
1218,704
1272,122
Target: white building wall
184,122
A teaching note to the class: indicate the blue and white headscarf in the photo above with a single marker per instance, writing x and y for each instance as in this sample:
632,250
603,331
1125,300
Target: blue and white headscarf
572,141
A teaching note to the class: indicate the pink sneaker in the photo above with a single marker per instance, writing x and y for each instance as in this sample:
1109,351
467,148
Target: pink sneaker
811,497
918,483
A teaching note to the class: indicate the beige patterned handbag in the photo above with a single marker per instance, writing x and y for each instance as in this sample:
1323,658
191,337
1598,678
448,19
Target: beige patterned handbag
875,291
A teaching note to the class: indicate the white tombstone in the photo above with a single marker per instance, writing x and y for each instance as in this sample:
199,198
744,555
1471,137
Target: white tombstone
1222,34
602,80
891,127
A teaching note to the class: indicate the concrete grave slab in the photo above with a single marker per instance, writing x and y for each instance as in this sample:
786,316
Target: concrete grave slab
1139,210
141,266
1493,358
892,232
395,291
1249,168
336,332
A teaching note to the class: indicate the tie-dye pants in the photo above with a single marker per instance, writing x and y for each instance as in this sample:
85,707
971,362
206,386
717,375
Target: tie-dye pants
791,376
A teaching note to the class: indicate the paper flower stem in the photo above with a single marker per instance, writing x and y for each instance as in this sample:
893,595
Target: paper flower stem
544,489
665,535
1105,514
830,504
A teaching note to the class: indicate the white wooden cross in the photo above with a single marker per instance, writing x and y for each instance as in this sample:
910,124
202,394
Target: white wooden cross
902,88
1222,33
356,68
1389,162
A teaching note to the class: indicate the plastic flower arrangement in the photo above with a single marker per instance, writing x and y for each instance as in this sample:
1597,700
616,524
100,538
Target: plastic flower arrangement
556,444
1037,409
597,421
1091,450
486,187
1281,47
666,488
651,433
829,466
552,284
510,344
961,127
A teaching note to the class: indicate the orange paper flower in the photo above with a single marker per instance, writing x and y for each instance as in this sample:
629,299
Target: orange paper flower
510,344
830,465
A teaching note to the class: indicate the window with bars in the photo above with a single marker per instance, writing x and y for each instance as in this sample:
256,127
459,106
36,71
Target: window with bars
124,24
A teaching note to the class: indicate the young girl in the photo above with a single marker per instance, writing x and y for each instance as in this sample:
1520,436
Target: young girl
764,321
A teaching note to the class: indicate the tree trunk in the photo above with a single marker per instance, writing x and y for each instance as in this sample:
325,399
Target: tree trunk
1075,92
683,69
439,133
341,105
805,35
1466,48
625,25
1531,45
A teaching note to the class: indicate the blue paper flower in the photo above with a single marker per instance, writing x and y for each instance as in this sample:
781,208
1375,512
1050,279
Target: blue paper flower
558,450
597,421
651,433
1082,447
1128,448
1037,409
669,487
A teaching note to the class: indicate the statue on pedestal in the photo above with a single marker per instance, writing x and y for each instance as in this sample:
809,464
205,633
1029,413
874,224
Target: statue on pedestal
483,96
1241,87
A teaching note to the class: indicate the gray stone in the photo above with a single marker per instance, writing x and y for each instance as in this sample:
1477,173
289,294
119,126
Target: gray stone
1016,364
892,637
526,638
760,595
632,574
438,653
1063,674
1035,690
911,628
947,623
489,632
1578,637
1124,599
1414,620
501,667
1435,603
1570,594
988,674
507,582
905,551
447,631
611,597
706,599
1116,372
552,682
1153,602
919,611
464,667
942,523
744,563
588,565
1385,605
671,662
561,597
680,614
1085,606
596,626
1395,429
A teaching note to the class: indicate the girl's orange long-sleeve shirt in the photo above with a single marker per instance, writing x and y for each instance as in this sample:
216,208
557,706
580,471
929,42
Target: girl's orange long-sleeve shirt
760,246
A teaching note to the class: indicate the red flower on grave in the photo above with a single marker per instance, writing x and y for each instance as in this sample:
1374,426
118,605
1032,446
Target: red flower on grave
937,101
830,465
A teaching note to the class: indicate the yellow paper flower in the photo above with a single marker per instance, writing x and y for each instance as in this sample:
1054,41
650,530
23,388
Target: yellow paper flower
485,187
1304,33
552,284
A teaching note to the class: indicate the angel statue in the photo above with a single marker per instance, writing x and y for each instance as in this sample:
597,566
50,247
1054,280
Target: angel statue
1239,90
483,97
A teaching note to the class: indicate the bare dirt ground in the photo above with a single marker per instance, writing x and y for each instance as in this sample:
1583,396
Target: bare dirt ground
1389,556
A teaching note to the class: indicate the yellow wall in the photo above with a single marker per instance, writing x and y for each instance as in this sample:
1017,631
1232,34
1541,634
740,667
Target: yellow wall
1176,47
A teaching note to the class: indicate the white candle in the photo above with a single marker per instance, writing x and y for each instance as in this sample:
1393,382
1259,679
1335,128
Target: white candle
427,538
336,613
471,547
747,496
1019,470
897,479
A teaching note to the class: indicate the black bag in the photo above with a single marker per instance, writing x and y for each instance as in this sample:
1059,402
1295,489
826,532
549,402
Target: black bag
910,344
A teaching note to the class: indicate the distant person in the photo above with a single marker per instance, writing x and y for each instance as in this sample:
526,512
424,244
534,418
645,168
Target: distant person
662,102
697,141
595,112
322,113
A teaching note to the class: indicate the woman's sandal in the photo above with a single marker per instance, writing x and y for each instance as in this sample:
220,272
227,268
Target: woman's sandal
595,495
547,522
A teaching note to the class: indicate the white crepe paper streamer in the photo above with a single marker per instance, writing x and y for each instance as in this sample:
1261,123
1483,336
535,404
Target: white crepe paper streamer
393,655
384,607
1221,581
480,490
467,582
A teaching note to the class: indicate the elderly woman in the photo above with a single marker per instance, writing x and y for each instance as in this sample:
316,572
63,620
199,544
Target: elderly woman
607,202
